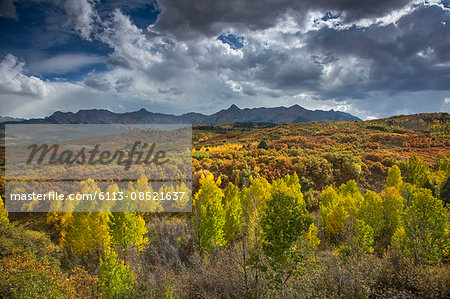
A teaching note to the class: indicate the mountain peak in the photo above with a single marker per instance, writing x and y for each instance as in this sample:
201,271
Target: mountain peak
234,108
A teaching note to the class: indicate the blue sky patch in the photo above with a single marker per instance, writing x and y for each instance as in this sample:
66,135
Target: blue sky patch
235,42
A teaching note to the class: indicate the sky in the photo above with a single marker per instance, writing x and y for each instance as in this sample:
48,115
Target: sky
372,59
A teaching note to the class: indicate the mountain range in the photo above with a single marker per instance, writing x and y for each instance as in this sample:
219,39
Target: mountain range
277,115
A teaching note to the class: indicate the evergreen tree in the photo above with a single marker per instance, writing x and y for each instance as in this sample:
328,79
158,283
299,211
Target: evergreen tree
263,144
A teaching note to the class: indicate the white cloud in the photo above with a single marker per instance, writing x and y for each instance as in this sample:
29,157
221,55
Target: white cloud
13,81
64,63
81,16
447,100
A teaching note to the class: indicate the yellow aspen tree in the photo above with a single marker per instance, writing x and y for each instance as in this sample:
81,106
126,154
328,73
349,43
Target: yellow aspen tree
233,213
3,213
209,214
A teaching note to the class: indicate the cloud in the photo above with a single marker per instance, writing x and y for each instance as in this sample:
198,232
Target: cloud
188,18
65,63
81,16
352,66
371,59
13,81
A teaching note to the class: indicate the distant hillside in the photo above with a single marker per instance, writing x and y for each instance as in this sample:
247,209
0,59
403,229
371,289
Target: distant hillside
318,151
278,115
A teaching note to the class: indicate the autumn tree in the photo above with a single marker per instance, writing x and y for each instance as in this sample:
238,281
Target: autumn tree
394,178
127,229
209,214
254,199
233,213
290,184
87,233
371,212
115,279
418,172
339,208
360,241
3,213
393,205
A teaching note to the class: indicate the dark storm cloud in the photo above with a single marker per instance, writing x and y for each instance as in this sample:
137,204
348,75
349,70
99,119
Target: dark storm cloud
404,56
188,18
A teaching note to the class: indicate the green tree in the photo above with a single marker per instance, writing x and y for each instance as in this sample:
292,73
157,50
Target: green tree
284,220
290,184
424,235
394,178
115,279
371,211
233,213
418,172
339,209
393,205
362,239
359,242
254,199
445,191
127,229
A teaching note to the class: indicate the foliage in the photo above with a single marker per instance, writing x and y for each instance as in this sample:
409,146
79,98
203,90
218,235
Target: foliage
209,214
127,229
393,205
417,171
394,178
88,232
445,191
371,212
3,213
424,235
284,220
25,277
263,145
115,278
233,213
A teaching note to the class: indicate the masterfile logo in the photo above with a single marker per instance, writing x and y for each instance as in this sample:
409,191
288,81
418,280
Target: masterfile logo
101,167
